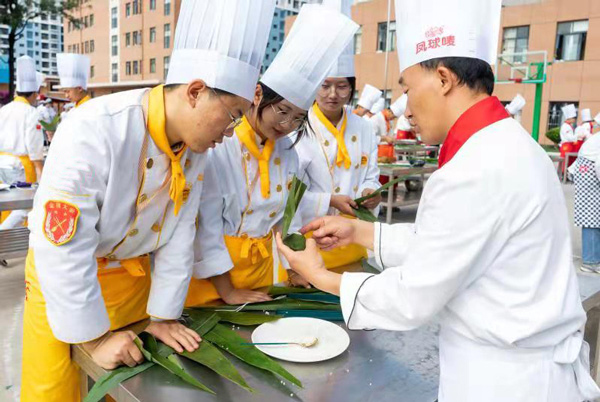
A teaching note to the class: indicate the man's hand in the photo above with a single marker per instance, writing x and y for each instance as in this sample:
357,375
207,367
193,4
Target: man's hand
310,265
331,232
371,203
297,280
241,296
114,349
343,203
175,335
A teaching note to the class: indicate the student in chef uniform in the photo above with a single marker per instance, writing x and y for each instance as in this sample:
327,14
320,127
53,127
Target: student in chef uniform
515,106
383,122
234,246
21,139
74,70
568,138
490,252
340,153
587,125
368,96
129,187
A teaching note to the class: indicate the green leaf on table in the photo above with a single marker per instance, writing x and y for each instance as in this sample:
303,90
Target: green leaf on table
364,214
295,241
210,356
320,314
320,297
201,321
245,319
283,304
170,363
295,194
112,379
286,290
231,342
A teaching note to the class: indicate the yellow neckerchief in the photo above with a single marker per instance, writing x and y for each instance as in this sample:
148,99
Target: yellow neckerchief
156,126
22,100
83,100
342,152
246,135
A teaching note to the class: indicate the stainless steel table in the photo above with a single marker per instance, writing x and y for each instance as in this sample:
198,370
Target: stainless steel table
406,150
16,198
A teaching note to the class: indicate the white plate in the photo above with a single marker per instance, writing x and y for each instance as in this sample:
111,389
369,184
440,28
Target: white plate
333,340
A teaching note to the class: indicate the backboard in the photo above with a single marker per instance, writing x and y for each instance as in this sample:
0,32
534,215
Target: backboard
522,67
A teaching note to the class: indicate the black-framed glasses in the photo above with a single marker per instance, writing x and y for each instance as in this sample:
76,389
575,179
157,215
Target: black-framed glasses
235,121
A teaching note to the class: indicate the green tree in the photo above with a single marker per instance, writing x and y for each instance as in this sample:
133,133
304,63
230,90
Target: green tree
16,14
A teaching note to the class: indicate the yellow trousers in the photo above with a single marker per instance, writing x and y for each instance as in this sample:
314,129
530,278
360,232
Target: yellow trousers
252,269
48,373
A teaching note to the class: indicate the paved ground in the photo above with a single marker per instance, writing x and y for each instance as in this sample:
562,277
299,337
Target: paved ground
12,296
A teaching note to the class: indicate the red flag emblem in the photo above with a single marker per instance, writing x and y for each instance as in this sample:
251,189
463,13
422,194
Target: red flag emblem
60,222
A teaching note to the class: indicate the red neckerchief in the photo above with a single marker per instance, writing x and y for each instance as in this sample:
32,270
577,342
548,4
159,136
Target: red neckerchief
476,118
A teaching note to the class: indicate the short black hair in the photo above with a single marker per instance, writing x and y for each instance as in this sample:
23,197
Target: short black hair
25,94
474,73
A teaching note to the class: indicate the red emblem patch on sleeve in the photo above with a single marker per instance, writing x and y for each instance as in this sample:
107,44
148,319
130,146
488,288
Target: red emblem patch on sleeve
60,221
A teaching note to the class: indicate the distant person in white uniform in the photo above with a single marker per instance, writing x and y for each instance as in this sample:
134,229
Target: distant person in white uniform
368,96
515,107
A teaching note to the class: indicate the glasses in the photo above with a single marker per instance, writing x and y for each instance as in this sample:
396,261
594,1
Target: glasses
341,90
235,121
288,120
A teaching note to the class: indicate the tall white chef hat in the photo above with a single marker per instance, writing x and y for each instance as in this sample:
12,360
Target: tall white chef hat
586,115
428,29
399,107
368,96
26,75
378,106
73,70
569,111
597,119
317,38
40,78
344,65
221,42
516,105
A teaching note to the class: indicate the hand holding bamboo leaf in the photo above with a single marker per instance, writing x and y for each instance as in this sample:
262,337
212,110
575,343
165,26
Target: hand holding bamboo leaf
294,240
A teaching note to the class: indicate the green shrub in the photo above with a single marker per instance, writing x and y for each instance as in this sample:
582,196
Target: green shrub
554,135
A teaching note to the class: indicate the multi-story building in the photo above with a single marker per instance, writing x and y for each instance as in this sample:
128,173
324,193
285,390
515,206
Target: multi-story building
41,39
129,43
568,30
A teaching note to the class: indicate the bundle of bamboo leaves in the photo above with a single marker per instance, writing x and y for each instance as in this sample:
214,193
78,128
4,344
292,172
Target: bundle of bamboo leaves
295,241
208,322
52,125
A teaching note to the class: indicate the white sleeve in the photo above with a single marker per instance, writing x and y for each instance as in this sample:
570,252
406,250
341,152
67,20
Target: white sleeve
567,134
392,243
77,174
173,263
454,244
34,137
211,255
371,180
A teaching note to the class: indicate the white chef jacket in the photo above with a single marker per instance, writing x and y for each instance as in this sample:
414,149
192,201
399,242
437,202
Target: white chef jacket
103,160
20,135
379,125
490,255
567,134
228,209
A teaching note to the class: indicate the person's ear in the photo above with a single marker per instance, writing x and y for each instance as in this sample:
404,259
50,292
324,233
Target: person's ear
195,90
258,95
448,80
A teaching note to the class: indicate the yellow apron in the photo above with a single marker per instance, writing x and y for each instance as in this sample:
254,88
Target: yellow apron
342,255
252,269
48,373
30,176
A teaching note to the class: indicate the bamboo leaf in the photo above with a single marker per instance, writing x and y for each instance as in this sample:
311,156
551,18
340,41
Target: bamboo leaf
295,241
209,356
280,305
232,343
113,378
316,297
364,214
387,185
246,319
294,197
286,290
201,321
170,363
323,315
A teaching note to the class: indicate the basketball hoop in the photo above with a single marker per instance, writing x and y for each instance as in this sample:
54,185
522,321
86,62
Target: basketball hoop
516,80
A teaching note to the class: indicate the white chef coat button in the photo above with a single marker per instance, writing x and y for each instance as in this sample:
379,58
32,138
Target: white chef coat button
272,214
133,232
156,228
111,257
150,163
279,188
249,212
337,189
277,161
142,198
353,138
326,143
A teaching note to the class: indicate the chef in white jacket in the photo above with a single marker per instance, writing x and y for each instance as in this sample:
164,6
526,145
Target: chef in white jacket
340,154
368,96
255,167
490,252
21,139
568,138
586,128
122,185
74,71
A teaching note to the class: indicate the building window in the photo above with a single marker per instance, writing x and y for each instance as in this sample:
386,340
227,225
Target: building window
152,34
29,43
167,40
128,39
86,47
166,61
358,41
152,4
114,72
555,115
85,21
152,66
91,71
114,12
127,9
91,20
128,68
135,38
382,36
114,45
570,40
167,7
92,47
135,68
29,34
135,6
515,40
